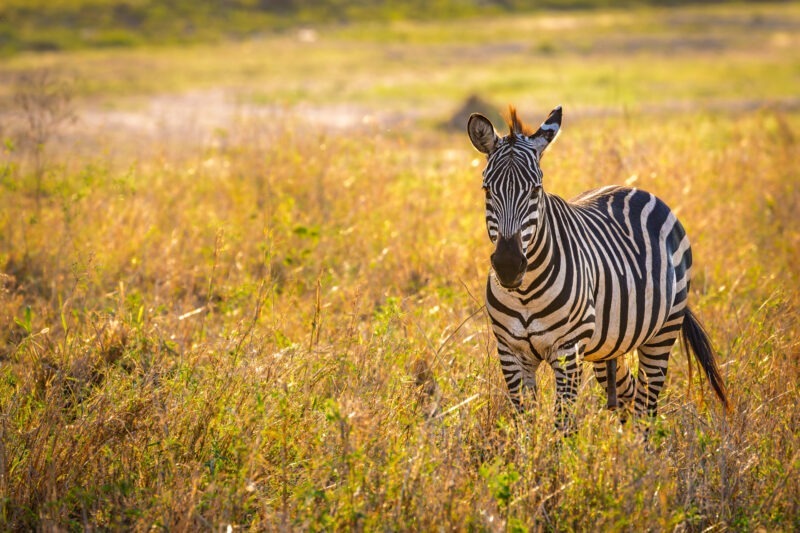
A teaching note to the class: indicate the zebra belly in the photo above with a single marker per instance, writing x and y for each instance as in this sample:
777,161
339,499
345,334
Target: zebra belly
632,312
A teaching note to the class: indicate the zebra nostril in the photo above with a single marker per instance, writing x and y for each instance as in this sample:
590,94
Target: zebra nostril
508,262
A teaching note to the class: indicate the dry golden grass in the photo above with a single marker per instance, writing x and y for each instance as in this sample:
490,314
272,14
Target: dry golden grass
284,330
287,332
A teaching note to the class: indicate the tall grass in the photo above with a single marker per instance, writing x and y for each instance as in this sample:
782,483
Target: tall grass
283,328
287,333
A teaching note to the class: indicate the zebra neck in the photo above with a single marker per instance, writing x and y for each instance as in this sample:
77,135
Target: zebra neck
550,253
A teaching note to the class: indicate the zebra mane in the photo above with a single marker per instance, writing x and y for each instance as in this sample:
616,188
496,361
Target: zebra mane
515,125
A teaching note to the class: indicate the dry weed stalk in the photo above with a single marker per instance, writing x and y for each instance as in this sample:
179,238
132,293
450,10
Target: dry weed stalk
44,99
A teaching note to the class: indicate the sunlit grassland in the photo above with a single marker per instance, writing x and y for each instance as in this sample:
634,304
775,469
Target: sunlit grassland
636,57
283,328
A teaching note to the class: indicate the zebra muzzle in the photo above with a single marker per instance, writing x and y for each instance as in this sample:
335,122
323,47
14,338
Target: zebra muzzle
509,261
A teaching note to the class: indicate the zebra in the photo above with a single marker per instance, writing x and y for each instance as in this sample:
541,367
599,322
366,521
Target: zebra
590,279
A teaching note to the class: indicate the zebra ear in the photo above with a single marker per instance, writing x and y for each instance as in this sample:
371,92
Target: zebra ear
548,131
482,134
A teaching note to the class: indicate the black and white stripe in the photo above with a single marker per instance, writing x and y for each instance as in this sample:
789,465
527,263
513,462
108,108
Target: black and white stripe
590,279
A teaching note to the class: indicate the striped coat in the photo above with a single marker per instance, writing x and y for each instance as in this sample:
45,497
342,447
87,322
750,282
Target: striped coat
590,279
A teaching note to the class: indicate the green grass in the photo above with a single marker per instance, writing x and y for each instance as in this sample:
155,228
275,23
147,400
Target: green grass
35,25
648,56
283,328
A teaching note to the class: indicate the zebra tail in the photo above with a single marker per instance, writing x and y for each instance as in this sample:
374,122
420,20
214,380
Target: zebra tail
696,338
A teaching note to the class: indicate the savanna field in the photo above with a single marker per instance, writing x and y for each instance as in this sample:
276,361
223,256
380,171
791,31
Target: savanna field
241,279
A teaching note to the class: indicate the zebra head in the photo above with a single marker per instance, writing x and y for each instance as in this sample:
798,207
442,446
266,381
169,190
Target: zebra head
512,181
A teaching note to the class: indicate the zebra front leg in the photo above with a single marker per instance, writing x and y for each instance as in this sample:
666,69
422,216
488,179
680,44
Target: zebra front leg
567,370
520,375
625,384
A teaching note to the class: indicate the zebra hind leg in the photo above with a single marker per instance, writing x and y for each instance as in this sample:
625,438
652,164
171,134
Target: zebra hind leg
626,387
653,362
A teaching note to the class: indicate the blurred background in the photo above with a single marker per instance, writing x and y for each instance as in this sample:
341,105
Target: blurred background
182,69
